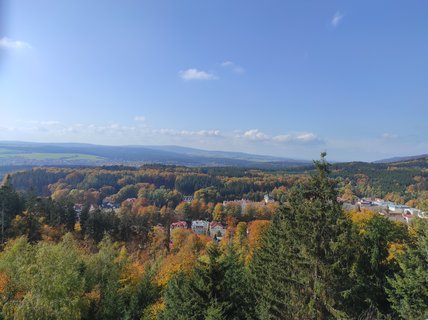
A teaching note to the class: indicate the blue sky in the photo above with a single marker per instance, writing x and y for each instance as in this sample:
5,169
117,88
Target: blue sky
286,78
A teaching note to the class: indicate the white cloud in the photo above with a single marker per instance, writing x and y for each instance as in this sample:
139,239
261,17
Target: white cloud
140,118
387,135
44,122
187,133
232,66
282,138
115,133
7,43
106,131
337,18
306,136
254,134
299,137
195,74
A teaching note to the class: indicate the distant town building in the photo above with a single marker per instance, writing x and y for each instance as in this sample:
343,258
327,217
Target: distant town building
217,230
398,208
243,203
106,204
365,202
178,225
268,199
129,201
389,209
200,227
78,207
188,199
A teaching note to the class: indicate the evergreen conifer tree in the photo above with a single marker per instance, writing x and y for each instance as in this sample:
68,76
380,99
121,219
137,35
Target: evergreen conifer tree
216,289
301,270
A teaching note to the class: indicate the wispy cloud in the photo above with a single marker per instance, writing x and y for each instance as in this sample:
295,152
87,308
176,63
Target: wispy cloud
140,118
195,74
44,122
114,133
299,137
337,18
253,134
108,130
7,43
187,133
233,66
388,135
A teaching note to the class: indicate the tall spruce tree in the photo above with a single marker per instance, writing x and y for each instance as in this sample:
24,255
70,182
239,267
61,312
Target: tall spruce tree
374,264
301,270
11,204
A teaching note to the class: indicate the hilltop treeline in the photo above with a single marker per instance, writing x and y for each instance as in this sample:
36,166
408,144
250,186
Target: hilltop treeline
230,183
311,260
404,182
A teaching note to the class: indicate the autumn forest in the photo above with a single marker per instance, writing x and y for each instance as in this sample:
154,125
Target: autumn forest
101,243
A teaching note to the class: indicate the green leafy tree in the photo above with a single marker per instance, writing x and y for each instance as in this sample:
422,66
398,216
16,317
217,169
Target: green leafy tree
218,212
49,279
207,195
103,278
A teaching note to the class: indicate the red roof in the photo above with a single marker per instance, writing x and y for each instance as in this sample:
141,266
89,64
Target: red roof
215,224
179,224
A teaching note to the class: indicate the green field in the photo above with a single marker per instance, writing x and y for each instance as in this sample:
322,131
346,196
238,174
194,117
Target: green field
3,150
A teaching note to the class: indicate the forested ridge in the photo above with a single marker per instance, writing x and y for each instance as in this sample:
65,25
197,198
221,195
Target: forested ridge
298,257
400,182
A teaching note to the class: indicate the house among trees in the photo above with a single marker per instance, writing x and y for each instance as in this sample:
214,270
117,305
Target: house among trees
107,204
398,208
78,207
200,227
217,230
129,201
242,203
178,225
268,199
188,199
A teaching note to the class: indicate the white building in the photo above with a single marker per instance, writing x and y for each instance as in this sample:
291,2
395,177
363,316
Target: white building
268,199
398,208
188,199
200,227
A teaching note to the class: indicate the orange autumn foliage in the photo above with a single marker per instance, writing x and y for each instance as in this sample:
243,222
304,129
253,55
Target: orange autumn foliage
4,281
186,247
256,229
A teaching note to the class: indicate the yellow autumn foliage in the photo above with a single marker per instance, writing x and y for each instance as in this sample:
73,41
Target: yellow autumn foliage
394,249
361,218
185,249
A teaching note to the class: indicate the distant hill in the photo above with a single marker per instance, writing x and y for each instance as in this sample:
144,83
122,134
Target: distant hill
18,153
402,159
